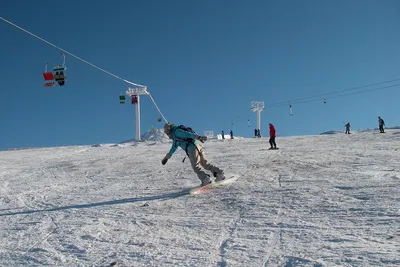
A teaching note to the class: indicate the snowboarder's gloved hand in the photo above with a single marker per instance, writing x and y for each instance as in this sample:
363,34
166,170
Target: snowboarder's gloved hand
165,159
201,138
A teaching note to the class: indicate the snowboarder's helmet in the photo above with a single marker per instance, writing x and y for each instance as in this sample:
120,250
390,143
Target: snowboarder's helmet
167,128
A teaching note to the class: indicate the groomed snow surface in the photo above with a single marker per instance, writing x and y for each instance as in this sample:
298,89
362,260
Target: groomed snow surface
324,200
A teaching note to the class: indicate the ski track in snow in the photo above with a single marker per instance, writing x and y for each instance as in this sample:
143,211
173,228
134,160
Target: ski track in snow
325,200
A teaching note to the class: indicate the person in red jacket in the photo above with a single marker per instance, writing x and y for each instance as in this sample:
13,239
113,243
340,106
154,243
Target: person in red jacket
272,135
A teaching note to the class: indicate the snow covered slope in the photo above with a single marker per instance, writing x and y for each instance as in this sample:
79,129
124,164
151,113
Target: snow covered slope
324,200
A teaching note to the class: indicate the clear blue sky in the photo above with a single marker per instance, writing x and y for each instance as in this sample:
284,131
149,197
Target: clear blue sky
203,62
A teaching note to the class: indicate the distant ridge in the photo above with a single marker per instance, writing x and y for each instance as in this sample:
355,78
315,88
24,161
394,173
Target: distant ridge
155,135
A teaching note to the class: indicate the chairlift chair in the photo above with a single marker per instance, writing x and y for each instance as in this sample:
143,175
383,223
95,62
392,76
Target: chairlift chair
122,99
48,77
134,100
60,70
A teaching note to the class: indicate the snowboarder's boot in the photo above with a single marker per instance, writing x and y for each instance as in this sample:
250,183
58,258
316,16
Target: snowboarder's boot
206,180
219,176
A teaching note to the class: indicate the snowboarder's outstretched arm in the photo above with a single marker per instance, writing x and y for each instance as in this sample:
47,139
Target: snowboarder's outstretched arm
169,154
174,147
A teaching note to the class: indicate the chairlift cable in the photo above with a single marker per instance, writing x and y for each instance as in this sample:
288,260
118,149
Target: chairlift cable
323,96
159,111
353,93
69,53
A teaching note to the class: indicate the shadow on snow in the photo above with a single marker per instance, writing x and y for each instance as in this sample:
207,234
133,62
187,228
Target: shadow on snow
106,203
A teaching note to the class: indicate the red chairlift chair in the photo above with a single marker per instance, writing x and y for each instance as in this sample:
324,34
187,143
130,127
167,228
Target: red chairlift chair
48,79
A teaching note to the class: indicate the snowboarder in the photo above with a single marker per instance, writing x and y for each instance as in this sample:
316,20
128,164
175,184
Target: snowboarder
231,133
272,135
223,134
347,128
381,124
188,140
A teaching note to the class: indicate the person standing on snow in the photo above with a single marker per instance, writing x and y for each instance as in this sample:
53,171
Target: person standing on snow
272,135
381,124
189,141
347,128
231,133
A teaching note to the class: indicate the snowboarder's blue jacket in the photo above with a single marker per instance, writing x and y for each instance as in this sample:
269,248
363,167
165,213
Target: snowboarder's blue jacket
179,139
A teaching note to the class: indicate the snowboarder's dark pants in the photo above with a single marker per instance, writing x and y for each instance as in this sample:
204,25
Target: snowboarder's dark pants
381,129
272,142
347,131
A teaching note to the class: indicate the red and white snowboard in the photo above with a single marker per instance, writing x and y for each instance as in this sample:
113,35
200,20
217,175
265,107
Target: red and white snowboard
229,178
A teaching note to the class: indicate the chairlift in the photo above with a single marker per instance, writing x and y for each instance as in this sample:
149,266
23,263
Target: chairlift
134,99
122,99
48,77
60,70
61,67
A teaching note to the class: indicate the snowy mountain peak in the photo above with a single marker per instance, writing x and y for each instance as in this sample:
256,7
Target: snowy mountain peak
155,135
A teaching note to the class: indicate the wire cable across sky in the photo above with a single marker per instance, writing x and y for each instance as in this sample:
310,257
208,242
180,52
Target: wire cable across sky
334,94
329,95
69,53
85,61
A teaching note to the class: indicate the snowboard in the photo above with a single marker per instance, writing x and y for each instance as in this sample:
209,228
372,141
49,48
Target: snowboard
229,178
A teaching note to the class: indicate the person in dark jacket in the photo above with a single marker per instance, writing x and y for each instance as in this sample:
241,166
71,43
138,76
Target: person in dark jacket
272,135
381,124
347,128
